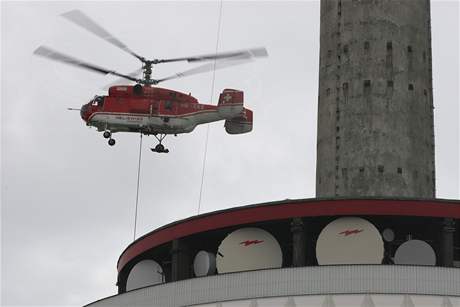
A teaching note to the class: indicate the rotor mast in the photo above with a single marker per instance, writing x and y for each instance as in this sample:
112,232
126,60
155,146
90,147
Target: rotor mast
147,68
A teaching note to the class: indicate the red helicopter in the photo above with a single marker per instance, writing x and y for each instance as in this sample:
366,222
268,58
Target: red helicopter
143,108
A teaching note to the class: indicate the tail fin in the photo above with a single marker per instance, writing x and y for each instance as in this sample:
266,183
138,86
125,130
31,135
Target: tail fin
240,124
230,103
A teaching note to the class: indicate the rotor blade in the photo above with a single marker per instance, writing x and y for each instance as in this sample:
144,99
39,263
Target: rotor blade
207,67
134,74
57,56
247,54
87,23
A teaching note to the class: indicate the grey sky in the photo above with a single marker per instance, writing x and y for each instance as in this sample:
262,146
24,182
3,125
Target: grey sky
68,198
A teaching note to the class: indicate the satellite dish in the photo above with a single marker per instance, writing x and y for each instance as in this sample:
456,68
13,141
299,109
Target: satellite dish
204,264
248,249
349,240
415,252
144,273
388,235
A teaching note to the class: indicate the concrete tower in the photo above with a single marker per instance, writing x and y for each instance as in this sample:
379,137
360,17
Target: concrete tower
375,111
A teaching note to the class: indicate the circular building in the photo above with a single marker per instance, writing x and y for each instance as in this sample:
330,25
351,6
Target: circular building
306,252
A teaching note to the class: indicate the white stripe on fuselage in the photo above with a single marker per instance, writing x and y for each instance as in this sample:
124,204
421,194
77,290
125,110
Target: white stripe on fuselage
173,124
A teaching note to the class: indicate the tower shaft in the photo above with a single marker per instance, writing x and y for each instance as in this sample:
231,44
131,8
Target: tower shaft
375,110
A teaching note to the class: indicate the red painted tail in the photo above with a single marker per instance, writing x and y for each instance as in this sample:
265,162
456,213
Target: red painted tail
230,103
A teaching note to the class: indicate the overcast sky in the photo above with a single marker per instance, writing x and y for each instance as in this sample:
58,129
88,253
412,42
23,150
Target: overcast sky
68,198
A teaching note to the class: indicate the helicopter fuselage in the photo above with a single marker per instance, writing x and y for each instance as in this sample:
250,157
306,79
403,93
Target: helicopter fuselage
153,110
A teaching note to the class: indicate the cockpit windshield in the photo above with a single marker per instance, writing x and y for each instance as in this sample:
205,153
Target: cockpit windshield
98,101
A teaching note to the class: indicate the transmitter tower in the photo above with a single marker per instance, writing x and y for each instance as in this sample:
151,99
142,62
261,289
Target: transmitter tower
375,110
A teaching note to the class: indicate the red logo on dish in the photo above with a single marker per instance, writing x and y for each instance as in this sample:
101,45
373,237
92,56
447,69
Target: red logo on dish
249,242
350,232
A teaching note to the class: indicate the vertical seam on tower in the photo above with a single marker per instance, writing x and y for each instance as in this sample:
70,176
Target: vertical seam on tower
431,112
337,98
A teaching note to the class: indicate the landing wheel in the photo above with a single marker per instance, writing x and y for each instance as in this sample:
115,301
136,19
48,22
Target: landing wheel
111,142
160,148
107,134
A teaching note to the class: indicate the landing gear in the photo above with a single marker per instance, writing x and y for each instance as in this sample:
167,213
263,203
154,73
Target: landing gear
108,135
160,148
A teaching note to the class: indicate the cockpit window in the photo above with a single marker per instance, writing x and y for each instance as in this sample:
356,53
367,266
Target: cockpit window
98,101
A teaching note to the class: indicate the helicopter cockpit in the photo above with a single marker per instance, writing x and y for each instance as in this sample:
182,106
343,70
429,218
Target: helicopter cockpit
97,101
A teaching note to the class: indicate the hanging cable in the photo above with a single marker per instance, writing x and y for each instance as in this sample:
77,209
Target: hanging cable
137,189
219,23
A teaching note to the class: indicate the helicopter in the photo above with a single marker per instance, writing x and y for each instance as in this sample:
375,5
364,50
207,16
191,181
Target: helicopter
150,110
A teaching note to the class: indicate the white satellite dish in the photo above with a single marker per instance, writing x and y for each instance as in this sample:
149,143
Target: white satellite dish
415,252
349,240
248,249
144,273
204,264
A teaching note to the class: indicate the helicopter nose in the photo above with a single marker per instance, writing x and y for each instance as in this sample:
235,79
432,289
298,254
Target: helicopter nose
84,112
